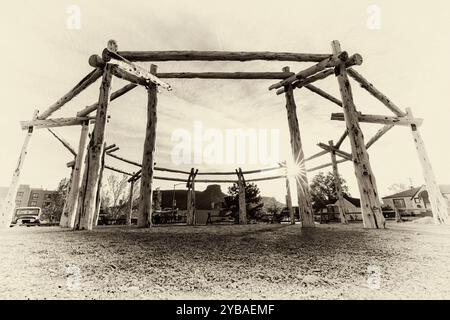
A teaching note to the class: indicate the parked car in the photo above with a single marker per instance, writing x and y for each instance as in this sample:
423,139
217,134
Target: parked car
27,216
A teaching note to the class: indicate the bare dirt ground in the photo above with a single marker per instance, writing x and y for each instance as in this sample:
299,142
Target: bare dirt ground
405,261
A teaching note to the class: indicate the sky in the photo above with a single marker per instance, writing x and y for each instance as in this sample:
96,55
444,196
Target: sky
404,45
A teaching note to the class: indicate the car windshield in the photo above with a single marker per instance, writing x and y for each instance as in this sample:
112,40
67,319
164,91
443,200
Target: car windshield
27,212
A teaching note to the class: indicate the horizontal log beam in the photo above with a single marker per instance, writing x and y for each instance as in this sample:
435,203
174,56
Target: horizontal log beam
83,84
370,118
323,166
317,155
112,150
329,62
125,160
376,93
151,56
118,170
116,94
225,75
53,123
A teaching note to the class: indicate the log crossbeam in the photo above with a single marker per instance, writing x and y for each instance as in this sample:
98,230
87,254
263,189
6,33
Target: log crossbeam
342,154
369,118
55,122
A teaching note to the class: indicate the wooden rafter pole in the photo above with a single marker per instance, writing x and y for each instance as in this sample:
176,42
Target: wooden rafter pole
329,62
153,56
380,119
341,139
7,211
439,204
303,189
375,138
336,151
148,158
226,75
83,84
116,94
95,152
68,218
53,123
354,60
376,93
337,184
323,94
64,143
370,202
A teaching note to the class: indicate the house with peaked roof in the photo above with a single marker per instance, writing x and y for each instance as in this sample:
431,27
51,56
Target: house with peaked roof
352,208
414,200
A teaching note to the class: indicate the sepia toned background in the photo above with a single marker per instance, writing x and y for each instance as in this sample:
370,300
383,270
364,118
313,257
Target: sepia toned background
405,49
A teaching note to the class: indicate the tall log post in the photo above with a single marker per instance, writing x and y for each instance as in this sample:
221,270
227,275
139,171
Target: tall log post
95,153
370,202
190,217
130,203
303,190
439,204
63,221
145,199
68,217
242,200
337,185
7,211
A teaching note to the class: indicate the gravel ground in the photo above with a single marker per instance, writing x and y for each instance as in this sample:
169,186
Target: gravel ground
405,261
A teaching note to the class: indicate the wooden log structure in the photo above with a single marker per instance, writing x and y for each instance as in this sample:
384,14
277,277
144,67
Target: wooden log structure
354,60
337,184
226,75
303,192
370,202
7,211
53,123
98,197
439,204
330,62
376,93
375,138
289,196
112,150
83,84
190,215
148,158
323,94
370,118
95,152
118,170
242,200
317,155
75,183
153,56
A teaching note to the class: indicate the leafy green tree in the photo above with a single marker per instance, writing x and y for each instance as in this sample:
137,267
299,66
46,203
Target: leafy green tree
323,190
253,201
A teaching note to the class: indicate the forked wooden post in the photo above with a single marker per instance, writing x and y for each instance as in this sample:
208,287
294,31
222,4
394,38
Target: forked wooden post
7,211
95,153
130,203
289,201
370,202
68,218
145,200
439,204
337,185
98,198
303,191
190,217
242,200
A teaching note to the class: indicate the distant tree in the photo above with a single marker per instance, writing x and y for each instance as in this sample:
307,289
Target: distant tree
114,194
275,210
52,213
253,201
323,189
